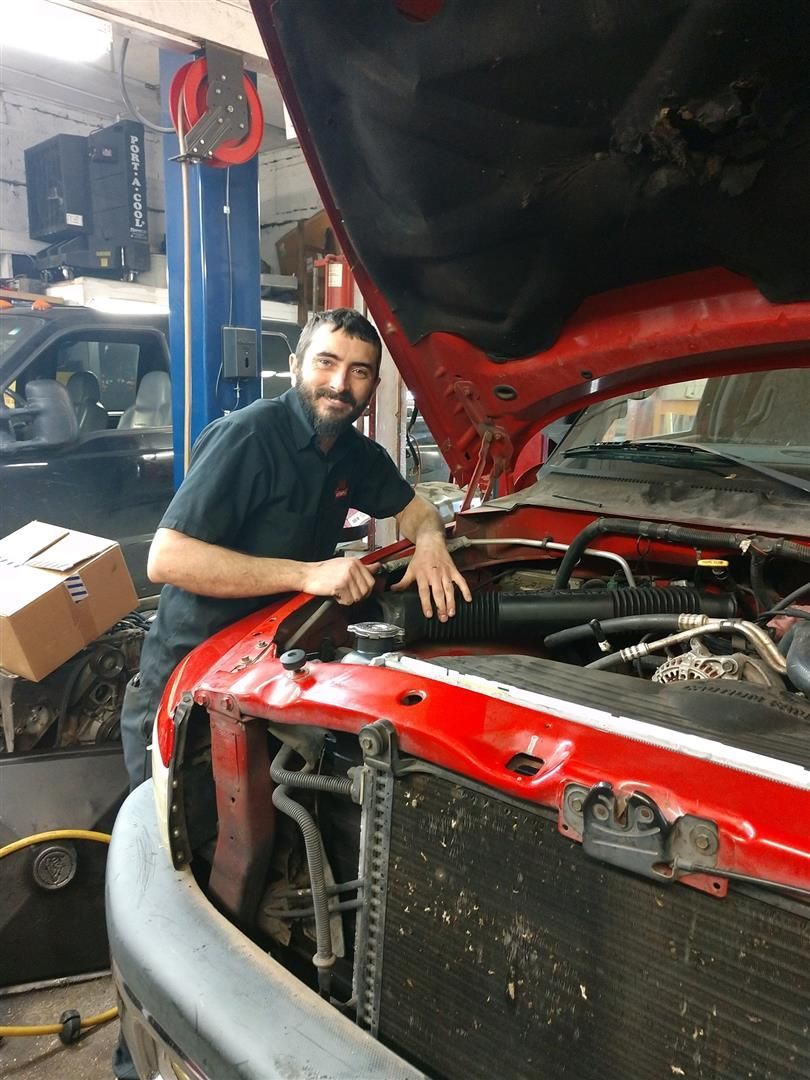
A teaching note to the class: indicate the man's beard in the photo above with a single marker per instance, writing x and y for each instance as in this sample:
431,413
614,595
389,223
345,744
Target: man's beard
328,427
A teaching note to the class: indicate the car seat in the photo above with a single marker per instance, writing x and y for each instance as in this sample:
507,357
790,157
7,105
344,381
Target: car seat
84,392
50,411
153,403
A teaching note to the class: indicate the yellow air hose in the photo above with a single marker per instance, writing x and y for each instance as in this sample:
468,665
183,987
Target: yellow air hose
90,1021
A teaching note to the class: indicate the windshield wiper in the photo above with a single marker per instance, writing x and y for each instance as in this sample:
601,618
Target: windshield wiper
637,449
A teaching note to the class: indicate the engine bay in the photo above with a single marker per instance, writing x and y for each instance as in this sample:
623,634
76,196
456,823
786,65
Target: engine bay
738,613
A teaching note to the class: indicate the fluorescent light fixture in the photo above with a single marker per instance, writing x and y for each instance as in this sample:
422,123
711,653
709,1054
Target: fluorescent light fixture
37,26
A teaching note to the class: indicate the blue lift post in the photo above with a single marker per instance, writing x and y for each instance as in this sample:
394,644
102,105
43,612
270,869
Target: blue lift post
225,269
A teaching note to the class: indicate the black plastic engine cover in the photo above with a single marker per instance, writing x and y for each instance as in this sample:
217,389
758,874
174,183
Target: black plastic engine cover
508,953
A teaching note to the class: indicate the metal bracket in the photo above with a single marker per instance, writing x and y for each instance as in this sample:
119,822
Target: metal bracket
380,755
179,844
500,445
7,684
378,741
227,113
633,834
495,443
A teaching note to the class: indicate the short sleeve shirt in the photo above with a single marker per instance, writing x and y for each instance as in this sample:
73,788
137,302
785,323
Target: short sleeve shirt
259,484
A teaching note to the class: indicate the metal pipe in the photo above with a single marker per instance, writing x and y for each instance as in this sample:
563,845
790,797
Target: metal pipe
548,545
698,626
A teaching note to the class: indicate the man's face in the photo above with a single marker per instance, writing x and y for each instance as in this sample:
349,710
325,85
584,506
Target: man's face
335,379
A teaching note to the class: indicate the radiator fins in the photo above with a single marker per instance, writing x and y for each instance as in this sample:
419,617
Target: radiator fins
508,954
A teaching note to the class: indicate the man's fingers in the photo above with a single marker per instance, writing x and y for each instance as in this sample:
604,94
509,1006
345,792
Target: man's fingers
464,588
424,596
450,597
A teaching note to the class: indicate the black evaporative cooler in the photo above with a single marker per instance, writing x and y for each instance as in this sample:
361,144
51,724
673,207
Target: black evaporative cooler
87,200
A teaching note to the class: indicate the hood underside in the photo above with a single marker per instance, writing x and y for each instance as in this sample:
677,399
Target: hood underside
491,167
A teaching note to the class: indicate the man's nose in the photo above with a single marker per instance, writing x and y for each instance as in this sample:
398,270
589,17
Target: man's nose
337,380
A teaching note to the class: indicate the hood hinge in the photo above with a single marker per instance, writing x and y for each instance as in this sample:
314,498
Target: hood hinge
496,446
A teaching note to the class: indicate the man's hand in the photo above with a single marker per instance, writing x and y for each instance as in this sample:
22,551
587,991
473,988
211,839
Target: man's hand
346,580
436,576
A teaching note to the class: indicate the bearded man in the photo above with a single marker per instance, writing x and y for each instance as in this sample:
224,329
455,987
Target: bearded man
262,507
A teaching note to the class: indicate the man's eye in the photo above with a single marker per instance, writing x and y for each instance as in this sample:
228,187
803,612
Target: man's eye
361,372
324,361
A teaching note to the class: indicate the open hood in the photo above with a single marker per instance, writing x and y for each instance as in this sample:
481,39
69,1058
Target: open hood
551,202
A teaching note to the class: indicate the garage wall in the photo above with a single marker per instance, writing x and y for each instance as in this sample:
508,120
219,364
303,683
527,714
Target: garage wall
25,120
288,195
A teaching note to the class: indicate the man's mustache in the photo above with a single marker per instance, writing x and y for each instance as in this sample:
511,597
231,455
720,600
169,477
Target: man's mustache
345,396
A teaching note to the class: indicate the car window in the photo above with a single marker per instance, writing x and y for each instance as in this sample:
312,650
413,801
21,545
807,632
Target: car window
14,332
276,349
114,363
760,415
118,359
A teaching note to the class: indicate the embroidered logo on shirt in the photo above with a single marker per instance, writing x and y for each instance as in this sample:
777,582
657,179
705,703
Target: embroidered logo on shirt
342,490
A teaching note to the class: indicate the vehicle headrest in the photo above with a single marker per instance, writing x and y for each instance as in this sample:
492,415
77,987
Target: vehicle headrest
82,386
155,390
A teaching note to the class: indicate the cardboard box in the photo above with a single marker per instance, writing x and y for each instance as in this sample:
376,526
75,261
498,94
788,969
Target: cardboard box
59,590
315,237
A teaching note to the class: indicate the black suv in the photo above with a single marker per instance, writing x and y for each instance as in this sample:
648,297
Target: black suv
86,421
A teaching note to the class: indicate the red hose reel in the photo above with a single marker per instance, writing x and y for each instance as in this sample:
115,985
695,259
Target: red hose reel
209,125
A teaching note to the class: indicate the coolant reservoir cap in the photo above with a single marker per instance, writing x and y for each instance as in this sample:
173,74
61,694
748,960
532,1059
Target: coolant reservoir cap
377,630
376,637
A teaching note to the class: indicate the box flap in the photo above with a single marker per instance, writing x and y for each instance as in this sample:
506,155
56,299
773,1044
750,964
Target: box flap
20,546
21,587
72,549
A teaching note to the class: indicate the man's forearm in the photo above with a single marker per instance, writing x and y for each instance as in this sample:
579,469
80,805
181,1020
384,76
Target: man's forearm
420,521
210,570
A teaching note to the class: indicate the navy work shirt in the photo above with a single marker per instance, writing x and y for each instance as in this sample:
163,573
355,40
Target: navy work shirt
258,484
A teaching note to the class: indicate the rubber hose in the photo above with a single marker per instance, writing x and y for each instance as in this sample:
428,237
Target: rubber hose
324,956
54,834
787,641
762,595
673,534
798,659
55,1029
786,601
334,785
528,615
626,625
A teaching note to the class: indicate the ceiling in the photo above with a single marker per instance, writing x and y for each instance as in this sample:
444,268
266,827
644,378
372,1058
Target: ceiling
95,87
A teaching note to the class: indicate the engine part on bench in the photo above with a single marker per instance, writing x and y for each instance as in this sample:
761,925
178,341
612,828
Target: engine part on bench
528,616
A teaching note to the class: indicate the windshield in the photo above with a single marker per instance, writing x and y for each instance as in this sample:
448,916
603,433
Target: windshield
15,331
761,416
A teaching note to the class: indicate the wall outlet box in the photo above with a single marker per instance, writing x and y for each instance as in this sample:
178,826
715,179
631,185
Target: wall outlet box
240,353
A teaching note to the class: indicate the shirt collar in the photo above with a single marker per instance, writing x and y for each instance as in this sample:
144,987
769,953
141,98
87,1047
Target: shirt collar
303,431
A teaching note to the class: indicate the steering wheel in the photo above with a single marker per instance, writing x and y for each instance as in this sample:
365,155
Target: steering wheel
16,424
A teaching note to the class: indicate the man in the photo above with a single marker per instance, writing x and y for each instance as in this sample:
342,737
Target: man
262,507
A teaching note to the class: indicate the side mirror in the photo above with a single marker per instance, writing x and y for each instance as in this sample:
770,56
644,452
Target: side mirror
50,411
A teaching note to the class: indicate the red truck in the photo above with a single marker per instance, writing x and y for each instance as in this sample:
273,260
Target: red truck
564,834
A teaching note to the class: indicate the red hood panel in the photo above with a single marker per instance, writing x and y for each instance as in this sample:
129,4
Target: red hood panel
533,197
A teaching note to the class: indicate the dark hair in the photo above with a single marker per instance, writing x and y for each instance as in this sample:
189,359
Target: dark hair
348,320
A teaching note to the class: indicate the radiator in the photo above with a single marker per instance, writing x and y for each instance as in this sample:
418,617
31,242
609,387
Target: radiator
497,949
